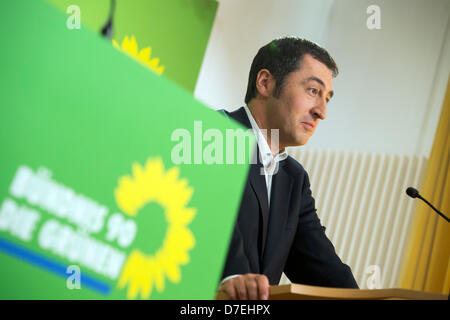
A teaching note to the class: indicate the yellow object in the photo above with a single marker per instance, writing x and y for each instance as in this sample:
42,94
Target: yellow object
130,47
426,266
152,183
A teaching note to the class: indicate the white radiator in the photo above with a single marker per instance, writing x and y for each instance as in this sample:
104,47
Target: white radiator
361,200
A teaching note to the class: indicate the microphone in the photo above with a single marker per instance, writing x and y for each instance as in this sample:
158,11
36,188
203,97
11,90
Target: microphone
107,29
414,193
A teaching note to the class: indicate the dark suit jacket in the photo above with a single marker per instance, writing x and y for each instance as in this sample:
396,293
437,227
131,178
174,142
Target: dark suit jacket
289,236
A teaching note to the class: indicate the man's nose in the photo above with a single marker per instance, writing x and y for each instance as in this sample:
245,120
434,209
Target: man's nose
320,110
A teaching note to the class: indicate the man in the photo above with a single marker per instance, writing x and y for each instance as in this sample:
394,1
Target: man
277,228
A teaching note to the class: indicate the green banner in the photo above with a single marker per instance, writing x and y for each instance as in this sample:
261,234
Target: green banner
177,31
112,184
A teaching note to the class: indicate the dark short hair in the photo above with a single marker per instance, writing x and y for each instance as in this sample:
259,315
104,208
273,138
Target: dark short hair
283,56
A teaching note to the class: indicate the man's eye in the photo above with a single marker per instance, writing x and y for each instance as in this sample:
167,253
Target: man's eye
314,91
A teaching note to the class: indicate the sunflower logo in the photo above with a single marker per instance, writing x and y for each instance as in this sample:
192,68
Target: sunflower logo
130,47
141,271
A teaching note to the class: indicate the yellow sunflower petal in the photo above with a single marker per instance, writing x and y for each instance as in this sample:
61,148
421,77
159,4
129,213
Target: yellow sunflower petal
132,46
154,63
115,44
160,70
145,53
126,44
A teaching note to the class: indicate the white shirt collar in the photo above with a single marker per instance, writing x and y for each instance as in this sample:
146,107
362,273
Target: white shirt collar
264,149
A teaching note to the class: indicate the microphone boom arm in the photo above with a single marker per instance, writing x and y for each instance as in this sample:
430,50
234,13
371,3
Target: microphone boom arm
438,212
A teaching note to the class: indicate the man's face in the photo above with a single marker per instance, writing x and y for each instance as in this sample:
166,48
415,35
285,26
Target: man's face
302,102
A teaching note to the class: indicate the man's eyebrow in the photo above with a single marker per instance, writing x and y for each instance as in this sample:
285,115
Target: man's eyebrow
321,83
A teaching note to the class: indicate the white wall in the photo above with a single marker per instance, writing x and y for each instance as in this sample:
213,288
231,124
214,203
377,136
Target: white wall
392,81
241,27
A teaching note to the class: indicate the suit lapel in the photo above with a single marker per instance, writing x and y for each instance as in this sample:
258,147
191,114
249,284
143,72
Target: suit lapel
258,183
282,185
240,116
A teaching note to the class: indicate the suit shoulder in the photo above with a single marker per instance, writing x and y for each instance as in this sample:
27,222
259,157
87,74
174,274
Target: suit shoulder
294,167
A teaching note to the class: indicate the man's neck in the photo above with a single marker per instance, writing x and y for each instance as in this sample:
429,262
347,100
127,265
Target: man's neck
259,113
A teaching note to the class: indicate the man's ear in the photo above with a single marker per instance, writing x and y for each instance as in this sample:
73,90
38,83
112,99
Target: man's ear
265,83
